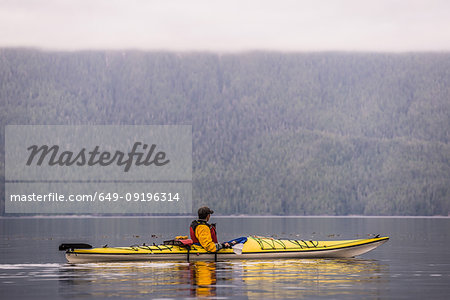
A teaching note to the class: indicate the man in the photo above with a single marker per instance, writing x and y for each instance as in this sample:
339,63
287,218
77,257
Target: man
205,234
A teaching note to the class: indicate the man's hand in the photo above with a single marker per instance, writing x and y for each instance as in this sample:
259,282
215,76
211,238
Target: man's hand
229,245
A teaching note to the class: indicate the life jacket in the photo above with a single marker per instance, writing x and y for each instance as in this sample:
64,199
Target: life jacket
212,228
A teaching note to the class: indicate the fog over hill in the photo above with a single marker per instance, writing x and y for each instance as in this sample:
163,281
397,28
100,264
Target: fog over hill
273,133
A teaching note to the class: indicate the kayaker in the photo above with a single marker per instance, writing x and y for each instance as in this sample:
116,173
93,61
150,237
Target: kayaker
204,233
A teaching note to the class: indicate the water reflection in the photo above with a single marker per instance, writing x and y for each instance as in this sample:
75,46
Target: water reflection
243,279
320,277
203,278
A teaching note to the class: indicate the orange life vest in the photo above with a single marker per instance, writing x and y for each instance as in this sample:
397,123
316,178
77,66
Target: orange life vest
212,228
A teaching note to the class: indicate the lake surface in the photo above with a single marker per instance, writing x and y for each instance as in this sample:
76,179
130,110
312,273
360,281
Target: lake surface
414,263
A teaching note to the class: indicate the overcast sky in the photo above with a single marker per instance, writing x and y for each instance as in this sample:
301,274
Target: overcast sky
228,25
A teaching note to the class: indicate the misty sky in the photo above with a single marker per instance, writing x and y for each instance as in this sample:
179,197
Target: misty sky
229,25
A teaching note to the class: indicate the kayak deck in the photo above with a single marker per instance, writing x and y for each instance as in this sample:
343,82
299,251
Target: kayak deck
253,248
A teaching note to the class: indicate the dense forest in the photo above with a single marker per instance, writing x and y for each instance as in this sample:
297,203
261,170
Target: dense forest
273,133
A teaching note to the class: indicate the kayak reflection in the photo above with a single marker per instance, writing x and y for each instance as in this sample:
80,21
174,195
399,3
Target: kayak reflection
315,277
171,279
245,279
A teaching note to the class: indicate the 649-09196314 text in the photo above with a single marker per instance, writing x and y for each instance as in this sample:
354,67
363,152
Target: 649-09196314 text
96,196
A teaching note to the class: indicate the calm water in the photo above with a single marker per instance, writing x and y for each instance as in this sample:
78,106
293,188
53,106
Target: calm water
415,263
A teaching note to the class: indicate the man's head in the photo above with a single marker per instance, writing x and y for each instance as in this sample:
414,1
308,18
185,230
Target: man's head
204,212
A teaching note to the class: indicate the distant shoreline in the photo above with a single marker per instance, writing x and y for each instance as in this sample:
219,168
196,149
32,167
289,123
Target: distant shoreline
225,216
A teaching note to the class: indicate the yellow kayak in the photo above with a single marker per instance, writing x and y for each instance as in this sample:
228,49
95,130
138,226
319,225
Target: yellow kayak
254,248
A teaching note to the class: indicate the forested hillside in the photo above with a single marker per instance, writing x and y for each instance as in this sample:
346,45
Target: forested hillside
273,133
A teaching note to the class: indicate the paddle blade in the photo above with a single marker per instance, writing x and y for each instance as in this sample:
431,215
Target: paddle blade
237,249
64,247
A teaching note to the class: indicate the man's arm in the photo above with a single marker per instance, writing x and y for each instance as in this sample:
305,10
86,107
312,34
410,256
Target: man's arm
203,234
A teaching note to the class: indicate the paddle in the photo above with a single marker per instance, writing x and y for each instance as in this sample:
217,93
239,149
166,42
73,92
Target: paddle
237,245
64,247
237,249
